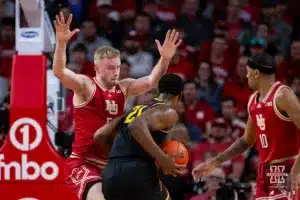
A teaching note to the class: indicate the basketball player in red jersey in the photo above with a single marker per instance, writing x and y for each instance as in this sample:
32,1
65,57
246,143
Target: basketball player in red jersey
97,101
274,116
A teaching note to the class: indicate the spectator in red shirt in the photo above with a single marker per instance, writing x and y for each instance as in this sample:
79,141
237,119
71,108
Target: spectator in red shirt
237,87
229,113
222,56
197,111
195,134
78,57
181,66
207,87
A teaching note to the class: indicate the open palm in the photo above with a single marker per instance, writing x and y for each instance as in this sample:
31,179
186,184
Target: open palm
168,49
203,169
63,33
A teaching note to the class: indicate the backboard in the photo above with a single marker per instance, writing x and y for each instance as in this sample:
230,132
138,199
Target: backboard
39,36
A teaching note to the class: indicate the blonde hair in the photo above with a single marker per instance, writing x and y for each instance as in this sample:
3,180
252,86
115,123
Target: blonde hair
105,52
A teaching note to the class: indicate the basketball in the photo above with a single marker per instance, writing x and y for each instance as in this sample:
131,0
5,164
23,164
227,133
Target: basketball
177,149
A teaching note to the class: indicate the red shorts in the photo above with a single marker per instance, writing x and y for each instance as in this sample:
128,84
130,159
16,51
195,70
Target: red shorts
80,173
272,181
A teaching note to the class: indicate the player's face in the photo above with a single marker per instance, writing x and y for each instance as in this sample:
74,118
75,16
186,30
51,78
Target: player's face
109,70
252,76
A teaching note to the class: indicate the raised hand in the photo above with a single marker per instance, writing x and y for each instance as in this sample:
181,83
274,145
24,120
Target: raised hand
63,33
168,49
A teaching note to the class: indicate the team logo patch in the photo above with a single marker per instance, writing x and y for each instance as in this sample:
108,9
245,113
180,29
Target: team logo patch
277,176
79,174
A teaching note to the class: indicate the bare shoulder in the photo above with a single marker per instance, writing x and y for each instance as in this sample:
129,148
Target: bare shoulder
126,82
87,86
164,113
283,95
286,98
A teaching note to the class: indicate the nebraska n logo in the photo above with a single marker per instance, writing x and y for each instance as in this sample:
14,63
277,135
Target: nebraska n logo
111,107
260,121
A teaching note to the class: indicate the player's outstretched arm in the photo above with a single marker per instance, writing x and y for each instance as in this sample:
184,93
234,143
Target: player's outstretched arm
158,118
68,78
286,101
108,131
167,50
238,147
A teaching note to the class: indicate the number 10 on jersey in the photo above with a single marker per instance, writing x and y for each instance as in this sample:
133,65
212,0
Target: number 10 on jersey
263,140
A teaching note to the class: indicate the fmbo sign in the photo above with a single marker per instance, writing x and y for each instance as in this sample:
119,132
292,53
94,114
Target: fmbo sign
30,140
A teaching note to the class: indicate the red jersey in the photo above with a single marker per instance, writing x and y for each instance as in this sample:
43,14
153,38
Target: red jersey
200,114
99,109
276,134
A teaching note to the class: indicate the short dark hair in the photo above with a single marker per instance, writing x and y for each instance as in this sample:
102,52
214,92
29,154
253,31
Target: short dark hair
124,61
263,23
229,98
190,81
265,61
220,36
80,48
170,84
143,14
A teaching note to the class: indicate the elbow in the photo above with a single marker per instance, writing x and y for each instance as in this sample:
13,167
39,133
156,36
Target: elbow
57,72
151,83
96,136
248,142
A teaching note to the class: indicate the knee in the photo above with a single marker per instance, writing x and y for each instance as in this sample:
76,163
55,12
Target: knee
95,193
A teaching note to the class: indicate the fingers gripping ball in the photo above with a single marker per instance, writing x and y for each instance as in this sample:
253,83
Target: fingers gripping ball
177,150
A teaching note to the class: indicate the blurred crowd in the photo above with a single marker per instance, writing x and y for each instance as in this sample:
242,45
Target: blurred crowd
219,36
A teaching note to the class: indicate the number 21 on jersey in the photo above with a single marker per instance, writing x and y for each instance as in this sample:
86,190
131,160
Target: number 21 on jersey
136,112
260,121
